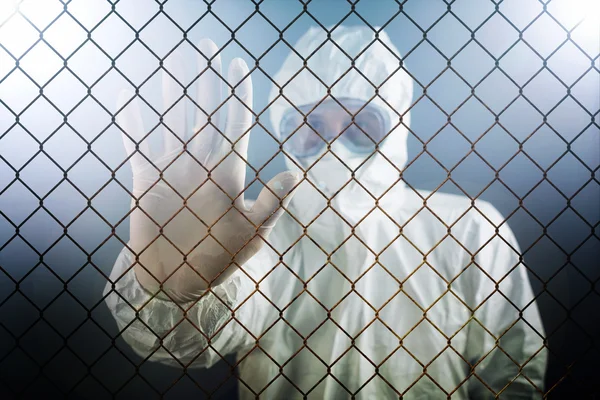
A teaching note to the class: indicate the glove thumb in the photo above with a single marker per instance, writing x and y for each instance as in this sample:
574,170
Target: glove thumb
277,194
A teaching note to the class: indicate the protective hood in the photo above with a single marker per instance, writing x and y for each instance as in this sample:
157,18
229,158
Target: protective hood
356,63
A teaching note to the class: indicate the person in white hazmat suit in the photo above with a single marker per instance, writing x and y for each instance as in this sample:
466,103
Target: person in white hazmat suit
387,292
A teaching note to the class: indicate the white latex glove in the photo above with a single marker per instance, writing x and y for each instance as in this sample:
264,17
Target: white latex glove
191,229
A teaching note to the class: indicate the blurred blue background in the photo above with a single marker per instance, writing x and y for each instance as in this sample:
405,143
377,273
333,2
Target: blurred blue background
533,117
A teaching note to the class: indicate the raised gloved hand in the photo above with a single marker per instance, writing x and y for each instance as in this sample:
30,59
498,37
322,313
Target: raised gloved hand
190,225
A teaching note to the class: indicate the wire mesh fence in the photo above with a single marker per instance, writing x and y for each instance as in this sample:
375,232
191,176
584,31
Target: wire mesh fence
505,109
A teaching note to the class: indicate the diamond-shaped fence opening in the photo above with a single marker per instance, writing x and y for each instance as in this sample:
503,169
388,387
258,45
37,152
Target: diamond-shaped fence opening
440,239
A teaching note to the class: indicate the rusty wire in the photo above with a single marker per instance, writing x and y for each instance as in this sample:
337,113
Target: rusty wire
258,123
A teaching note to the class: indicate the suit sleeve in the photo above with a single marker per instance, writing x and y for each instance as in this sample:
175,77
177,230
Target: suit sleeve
194,334
505,335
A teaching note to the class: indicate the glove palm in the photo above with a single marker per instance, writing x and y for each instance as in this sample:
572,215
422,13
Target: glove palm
190,226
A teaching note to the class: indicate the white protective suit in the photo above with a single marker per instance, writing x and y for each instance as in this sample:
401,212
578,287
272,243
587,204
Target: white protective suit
420,294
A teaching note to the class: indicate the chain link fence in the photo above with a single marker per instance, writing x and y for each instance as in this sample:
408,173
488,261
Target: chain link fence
505,109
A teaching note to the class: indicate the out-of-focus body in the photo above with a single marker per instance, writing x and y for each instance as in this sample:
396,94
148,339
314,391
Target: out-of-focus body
387,292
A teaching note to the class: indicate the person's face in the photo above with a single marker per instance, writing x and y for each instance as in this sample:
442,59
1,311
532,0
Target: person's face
332,139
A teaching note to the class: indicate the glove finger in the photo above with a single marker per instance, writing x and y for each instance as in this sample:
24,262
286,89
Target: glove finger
239,106
130,121
231,175
208,100
174,119
268,206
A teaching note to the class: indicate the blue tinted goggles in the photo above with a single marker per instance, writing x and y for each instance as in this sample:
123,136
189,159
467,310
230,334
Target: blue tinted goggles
308,129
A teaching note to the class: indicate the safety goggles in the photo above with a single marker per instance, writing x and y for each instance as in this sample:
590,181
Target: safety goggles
307,130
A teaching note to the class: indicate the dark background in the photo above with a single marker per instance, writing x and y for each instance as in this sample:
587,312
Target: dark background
536,95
